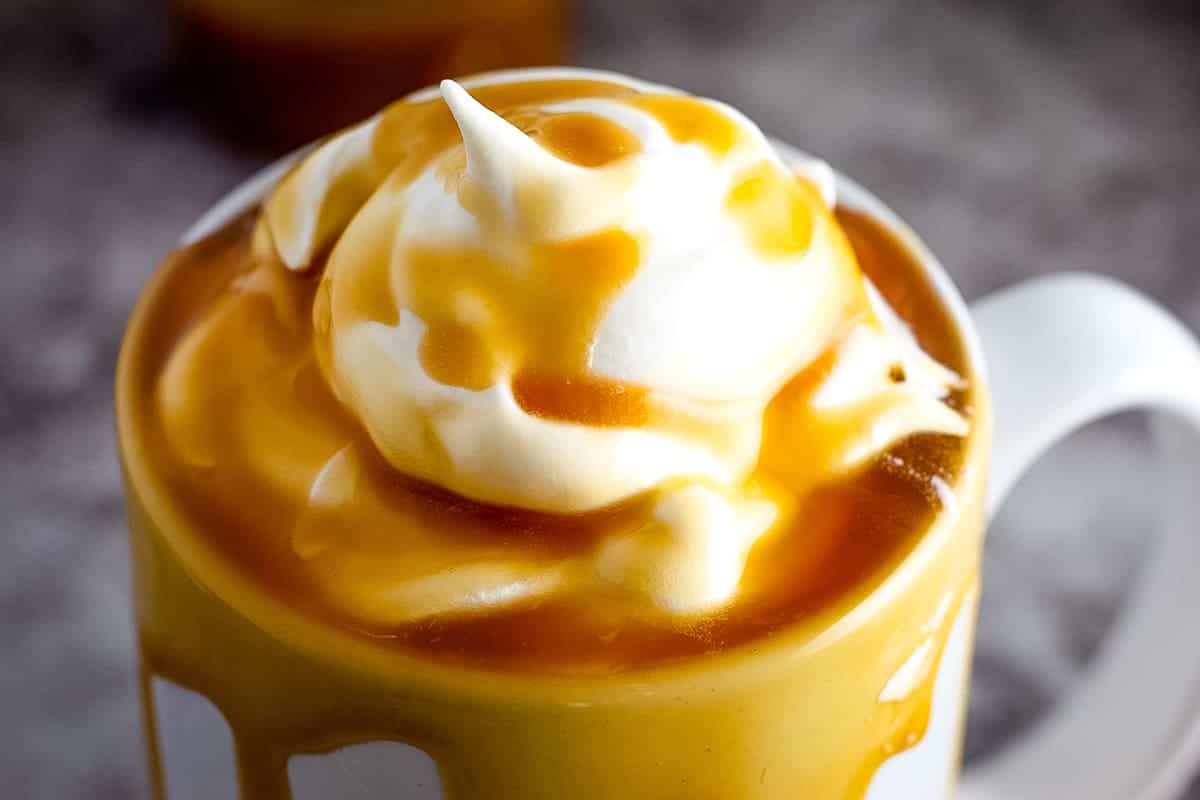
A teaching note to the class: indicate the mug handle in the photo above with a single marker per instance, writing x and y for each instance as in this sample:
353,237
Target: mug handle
1064,351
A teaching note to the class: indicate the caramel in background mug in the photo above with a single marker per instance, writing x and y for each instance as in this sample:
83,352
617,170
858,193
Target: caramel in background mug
316,713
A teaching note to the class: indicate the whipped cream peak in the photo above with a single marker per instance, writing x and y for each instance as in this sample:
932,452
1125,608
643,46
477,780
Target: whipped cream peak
496,150
538,194
563,294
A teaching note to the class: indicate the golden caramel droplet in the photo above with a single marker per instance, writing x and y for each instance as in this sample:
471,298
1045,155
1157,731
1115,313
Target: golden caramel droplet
582,399
774,209
579,278
690,119
488,317
588,140
456,355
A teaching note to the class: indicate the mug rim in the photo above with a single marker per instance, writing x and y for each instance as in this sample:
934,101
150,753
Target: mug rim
751,660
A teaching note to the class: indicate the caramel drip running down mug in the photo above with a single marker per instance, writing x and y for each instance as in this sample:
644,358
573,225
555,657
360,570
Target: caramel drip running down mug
757,722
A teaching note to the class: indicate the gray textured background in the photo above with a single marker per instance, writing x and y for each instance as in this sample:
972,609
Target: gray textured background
1017,137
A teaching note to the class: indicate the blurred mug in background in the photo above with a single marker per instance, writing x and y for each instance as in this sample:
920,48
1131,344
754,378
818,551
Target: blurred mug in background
278,73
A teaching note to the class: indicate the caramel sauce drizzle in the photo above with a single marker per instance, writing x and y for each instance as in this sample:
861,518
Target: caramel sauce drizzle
580,138
776,210
487,319
688,120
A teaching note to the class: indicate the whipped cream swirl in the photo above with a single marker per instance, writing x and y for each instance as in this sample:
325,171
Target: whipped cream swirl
586,297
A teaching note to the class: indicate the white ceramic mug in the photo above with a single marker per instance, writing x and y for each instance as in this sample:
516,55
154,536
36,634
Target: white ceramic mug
1062,351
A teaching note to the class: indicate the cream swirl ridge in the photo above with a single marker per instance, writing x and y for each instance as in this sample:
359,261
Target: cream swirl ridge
558,298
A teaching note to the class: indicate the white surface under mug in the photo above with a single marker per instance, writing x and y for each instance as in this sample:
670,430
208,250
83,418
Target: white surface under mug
1061,351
